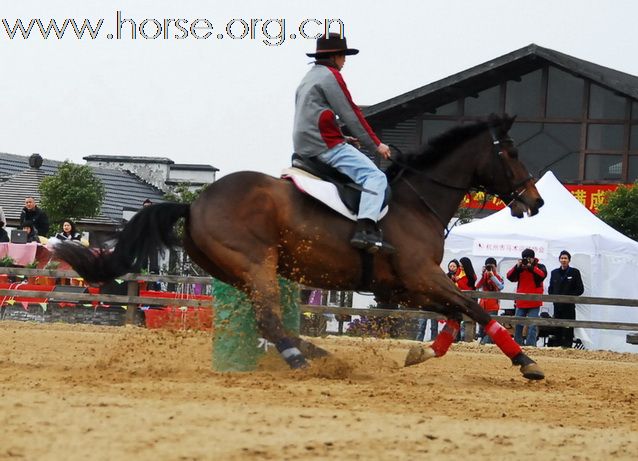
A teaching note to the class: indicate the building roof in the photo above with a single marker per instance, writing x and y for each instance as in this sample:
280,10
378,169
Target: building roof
513,64
127,159
123,189
193,167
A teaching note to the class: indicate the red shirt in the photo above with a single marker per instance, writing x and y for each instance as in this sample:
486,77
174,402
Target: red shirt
462,281
486,284
529,281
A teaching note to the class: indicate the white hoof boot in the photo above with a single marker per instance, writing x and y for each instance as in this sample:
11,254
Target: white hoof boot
419,354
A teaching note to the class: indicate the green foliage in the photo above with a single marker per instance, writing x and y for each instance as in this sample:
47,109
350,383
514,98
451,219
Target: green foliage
620,210
182,194
52,265
465,215
182,264
72,193
7,261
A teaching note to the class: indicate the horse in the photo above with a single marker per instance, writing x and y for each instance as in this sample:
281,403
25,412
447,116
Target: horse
248,227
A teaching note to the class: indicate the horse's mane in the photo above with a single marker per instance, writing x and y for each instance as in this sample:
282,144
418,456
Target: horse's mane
436,148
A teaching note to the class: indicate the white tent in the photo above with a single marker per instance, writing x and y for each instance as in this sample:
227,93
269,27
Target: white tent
607,259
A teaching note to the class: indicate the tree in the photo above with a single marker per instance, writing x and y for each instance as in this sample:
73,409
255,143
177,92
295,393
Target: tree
182,193
72,193
620,210
179,262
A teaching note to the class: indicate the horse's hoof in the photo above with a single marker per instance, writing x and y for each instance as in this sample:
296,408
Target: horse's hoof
418,354
532,371
297,362
310,350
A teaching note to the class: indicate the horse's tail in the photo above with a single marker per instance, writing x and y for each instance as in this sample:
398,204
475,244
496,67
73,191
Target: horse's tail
149,230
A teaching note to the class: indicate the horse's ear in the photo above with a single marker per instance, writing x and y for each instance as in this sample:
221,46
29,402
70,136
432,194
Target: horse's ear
508,122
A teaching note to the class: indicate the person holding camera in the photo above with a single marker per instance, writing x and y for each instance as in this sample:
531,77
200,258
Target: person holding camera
490,281
529,274
565,280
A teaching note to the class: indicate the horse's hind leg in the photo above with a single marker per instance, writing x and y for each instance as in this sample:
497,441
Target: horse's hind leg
265,296
259,281
263,290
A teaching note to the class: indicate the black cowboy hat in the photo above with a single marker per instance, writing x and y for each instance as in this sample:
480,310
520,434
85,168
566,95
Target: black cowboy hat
332,44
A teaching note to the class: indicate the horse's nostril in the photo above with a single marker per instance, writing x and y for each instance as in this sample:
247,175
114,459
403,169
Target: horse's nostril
540,202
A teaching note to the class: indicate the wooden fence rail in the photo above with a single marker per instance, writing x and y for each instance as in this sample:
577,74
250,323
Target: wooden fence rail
413,314
133,299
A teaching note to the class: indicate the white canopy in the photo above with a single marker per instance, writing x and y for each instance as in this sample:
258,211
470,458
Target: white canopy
607,259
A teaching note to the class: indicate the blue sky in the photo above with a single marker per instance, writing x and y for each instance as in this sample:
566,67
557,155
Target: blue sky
229,102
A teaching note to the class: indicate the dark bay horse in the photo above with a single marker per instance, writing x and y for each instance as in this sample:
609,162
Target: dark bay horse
248,227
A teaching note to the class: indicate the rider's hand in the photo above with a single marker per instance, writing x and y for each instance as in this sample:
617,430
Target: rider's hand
384,151
354,141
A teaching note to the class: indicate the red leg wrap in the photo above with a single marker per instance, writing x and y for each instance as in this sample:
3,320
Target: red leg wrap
502,339
445,338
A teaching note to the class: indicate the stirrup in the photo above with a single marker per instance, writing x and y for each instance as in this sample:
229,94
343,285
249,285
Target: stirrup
371,242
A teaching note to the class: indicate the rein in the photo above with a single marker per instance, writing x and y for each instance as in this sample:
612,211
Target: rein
517,188
404,167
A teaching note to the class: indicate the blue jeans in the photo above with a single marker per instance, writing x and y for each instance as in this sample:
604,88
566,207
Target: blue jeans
358,167
434,329
532,330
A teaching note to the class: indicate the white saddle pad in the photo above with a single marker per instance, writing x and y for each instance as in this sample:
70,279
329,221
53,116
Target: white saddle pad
321,190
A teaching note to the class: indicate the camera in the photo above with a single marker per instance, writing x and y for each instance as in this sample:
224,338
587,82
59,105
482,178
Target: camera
489,267
528,261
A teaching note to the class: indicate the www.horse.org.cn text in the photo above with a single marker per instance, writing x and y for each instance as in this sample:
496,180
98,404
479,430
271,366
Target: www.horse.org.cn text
270,31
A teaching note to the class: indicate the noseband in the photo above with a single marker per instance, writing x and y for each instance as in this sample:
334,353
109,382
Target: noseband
517,188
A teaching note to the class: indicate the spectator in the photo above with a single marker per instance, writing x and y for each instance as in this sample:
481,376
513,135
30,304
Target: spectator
4,237
565,280
422,326
151,263
36,216
466,280
529,275
68,232
32,232
490,281
452,268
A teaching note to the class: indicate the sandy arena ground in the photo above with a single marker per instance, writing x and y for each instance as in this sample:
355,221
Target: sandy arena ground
70,392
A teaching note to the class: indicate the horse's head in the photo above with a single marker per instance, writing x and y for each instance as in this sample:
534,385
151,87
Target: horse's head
505,175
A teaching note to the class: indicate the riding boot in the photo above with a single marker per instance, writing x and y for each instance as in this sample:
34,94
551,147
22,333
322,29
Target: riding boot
368,237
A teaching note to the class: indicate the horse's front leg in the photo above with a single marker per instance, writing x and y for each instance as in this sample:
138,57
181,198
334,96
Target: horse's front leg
440,345
442,293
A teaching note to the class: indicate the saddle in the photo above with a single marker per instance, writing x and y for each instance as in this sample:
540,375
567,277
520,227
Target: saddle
349,192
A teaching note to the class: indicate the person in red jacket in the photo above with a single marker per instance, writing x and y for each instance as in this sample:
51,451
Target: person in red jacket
466,279
490,281
529,275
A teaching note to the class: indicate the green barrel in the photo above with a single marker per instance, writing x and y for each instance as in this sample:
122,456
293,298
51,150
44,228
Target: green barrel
236,343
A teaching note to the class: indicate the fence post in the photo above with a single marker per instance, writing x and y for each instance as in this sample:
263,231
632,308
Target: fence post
469,331
237,345
132,289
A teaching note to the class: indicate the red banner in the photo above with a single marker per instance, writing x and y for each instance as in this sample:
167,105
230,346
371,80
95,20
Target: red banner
590,195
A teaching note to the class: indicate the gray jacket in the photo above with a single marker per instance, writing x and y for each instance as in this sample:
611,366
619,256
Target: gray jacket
322,96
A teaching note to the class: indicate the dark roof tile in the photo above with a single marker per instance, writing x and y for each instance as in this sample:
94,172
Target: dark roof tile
528,57
123,189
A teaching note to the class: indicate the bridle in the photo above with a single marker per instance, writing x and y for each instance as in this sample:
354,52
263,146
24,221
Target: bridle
517,188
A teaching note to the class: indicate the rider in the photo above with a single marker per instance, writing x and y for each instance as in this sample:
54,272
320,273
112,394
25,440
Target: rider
321,97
